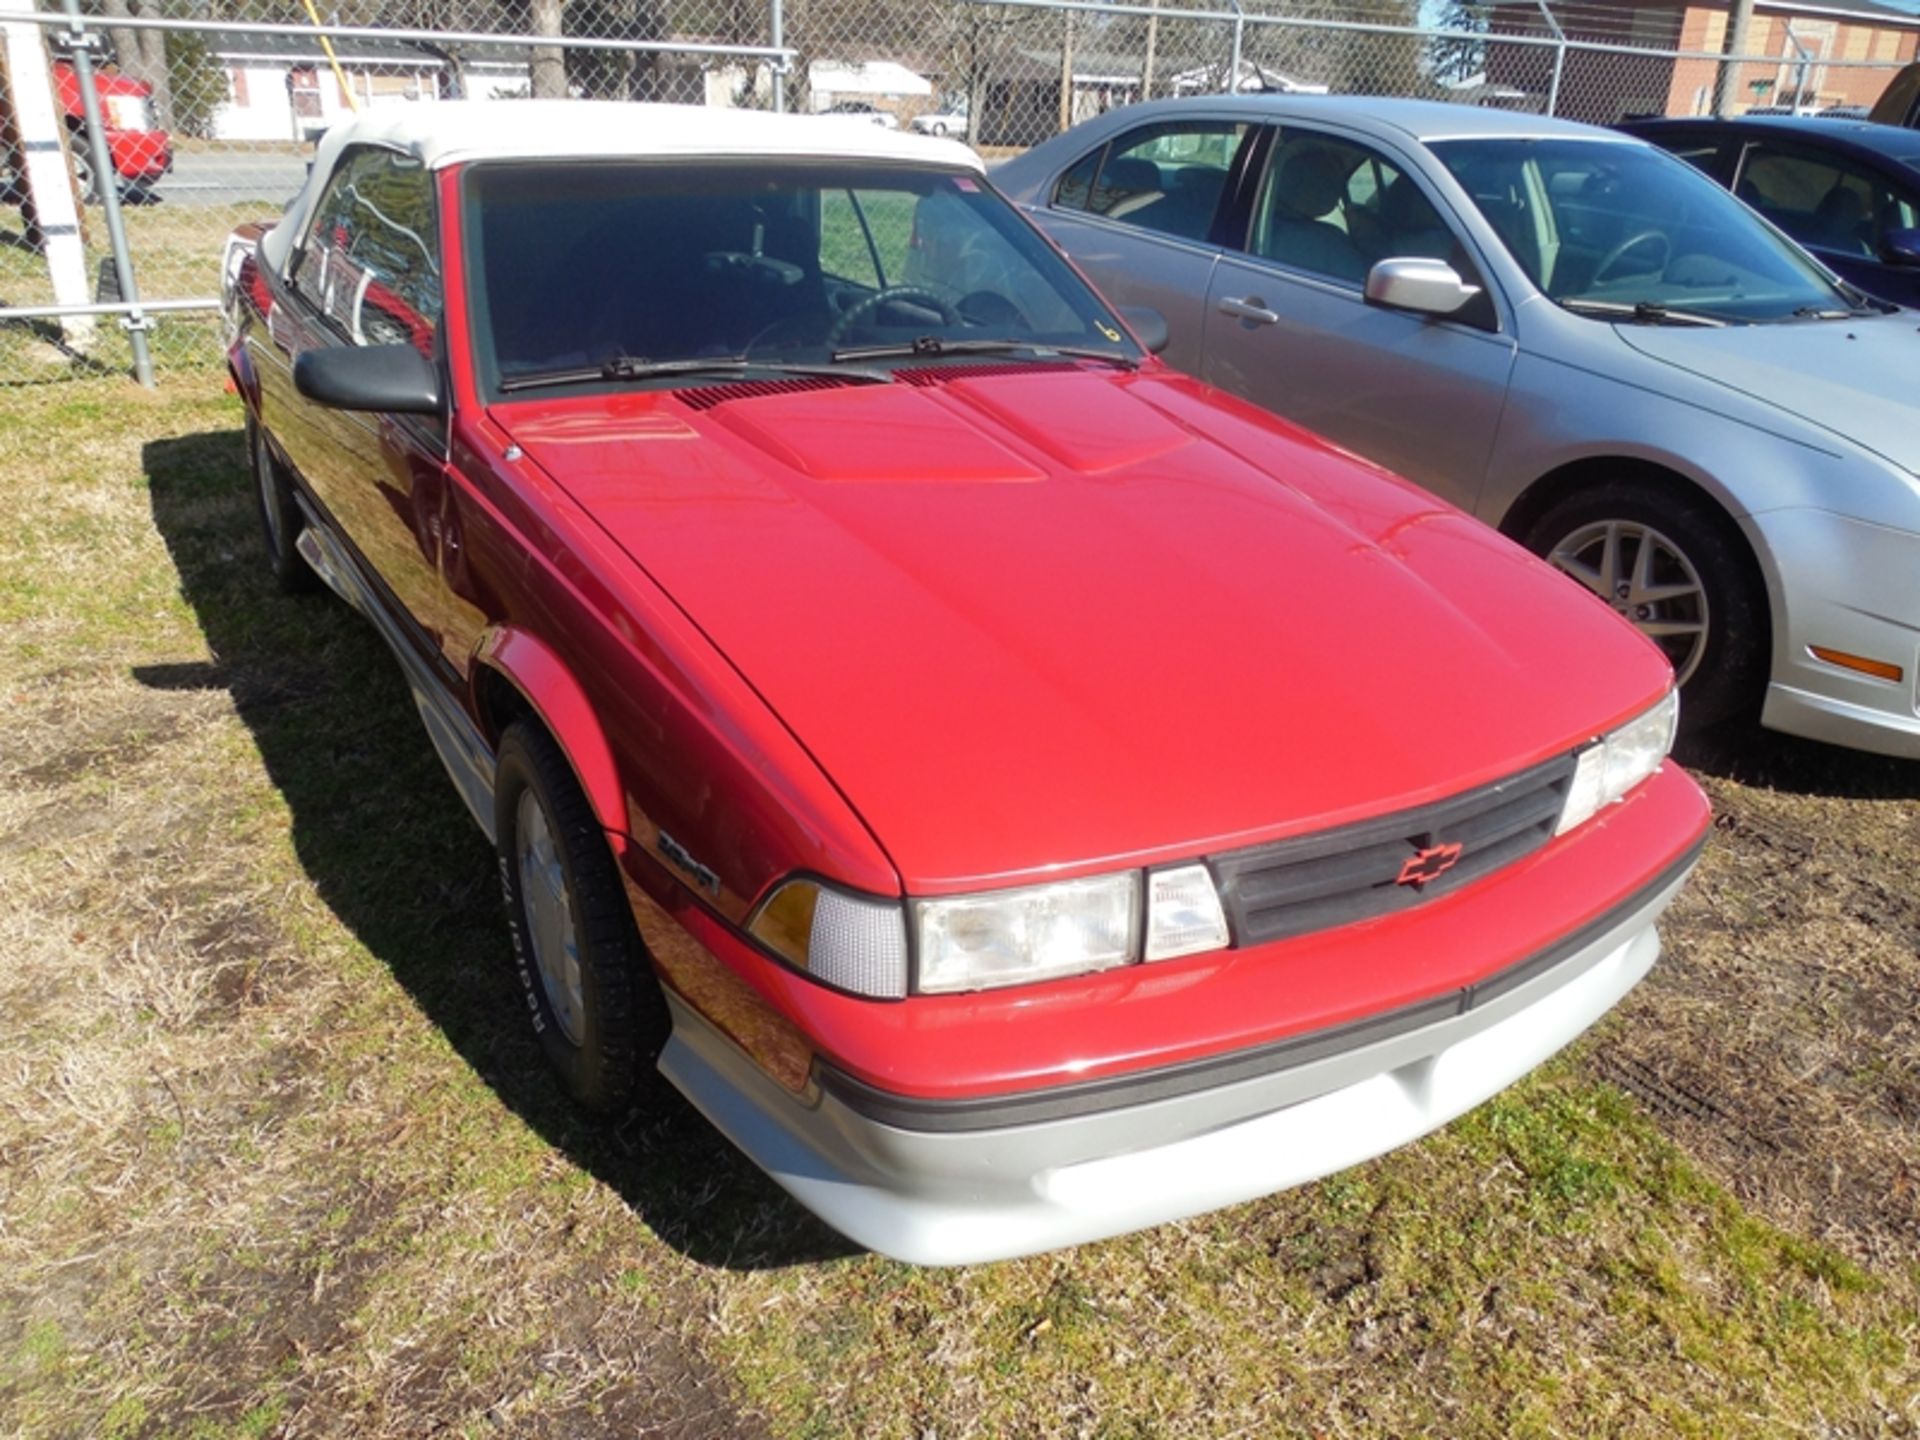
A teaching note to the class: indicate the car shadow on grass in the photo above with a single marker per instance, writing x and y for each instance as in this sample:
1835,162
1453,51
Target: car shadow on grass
386,841
1749,755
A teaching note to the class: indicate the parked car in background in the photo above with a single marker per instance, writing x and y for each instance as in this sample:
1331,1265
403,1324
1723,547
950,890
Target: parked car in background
1899,103
141,152
1018,793
860,109
1849,192
949,119
1564,330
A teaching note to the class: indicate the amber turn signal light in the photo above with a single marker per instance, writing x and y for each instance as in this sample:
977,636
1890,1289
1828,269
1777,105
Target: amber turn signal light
1879,669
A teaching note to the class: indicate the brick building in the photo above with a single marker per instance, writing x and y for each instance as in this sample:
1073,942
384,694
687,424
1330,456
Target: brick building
1802,40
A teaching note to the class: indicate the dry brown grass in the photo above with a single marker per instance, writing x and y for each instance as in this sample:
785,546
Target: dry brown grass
1780,1040
276,1157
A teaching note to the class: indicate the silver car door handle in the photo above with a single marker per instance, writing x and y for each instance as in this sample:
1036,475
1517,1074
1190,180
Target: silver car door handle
1250,309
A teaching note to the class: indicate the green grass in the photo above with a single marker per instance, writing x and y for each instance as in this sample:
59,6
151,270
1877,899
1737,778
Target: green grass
280,1157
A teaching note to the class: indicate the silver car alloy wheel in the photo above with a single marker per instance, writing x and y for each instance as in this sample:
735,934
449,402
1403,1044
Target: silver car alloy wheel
549,915
1647,579
272,501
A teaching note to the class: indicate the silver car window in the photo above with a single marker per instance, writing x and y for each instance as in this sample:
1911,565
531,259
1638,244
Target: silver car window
1167,177
1598,224
1335,208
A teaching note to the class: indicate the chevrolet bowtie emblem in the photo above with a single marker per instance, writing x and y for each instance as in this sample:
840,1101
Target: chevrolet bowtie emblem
1429,864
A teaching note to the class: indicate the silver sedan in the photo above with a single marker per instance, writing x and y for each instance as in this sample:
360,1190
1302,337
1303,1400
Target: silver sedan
1572,335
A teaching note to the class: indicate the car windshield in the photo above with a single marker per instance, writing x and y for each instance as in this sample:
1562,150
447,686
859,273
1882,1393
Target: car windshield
1610,229
651,270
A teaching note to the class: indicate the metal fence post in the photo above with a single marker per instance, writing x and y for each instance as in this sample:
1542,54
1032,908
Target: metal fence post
107,179
776,37
1559,56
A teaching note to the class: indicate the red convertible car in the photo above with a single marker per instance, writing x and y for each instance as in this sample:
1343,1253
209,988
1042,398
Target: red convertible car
1017,793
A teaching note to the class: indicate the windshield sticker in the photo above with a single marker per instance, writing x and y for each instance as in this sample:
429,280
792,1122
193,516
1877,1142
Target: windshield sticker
962,183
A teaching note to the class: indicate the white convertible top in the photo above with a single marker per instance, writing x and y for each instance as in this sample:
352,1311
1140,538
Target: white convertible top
455,132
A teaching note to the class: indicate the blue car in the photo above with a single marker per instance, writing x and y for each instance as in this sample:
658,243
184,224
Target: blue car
1847,190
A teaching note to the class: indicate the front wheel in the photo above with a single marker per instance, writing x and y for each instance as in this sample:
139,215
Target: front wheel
1679,573
589,991
280,519
83,177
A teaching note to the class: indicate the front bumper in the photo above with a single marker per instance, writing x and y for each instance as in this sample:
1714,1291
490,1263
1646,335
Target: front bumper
1850,586
961,1183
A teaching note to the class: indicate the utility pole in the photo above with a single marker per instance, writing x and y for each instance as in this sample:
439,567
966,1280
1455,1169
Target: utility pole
1725,90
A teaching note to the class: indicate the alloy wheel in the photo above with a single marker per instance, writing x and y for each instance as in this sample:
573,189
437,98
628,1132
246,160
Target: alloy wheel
1647,579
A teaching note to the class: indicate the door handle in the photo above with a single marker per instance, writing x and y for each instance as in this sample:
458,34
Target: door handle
1252,308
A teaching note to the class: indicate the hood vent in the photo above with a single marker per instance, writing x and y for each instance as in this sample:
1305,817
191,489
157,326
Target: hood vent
941,374
705,397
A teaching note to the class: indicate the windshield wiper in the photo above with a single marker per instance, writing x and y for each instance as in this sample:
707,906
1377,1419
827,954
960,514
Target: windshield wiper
1643,312
630,367
1817,312
928,347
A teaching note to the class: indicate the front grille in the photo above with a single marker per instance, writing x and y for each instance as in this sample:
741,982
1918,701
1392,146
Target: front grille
1335,877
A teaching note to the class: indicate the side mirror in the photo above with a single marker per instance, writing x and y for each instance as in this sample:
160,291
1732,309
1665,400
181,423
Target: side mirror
1149,325
396,379
1425,287
1901,247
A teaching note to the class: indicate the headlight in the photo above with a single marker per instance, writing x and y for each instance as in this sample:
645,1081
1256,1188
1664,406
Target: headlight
1618,761
125,112
1000,937
1010,937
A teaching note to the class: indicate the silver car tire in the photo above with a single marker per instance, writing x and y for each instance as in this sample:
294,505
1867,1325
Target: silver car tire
590,993
1679,572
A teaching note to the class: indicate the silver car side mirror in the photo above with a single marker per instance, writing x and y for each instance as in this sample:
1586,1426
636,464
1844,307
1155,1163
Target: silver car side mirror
1426,287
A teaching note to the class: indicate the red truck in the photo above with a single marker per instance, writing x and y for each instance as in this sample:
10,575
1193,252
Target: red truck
141,153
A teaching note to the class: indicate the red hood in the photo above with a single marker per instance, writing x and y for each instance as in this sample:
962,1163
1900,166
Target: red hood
1067,621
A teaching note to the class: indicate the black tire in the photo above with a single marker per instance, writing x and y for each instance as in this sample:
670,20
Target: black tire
621,1021
281,520
1729,673
84,179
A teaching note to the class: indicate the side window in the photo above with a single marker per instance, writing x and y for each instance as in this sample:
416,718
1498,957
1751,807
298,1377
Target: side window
370,261
1076,186
1822,203
1334,208
1706,155
1167,178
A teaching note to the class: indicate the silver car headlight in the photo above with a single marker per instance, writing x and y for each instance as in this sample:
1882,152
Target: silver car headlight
1620,760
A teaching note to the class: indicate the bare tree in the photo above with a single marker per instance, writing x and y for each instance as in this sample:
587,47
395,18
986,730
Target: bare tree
549,61
142,55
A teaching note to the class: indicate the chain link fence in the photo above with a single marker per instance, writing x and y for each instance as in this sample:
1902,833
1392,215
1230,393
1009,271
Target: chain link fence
209,108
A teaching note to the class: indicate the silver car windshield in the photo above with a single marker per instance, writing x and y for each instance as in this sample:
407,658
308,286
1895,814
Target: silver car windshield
1609,229
636,272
